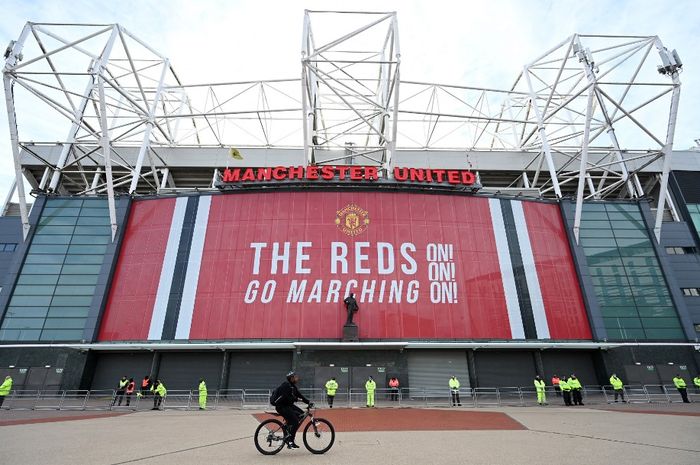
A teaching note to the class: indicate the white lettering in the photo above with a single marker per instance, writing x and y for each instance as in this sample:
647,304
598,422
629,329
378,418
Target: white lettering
411,267
339,253
361,257
333,291
367,294
412,292
296,291
278,257
315,294
268,292
258,246
302,257
385,264
251,293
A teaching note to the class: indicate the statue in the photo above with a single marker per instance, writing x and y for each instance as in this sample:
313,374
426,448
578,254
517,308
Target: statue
352,308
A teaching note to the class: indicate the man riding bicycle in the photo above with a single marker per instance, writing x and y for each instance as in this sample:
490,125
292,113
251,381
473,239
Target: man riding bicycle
283,398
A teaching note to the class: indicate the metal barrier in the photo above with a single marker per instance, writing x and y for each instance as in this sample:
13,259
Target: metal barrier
357,397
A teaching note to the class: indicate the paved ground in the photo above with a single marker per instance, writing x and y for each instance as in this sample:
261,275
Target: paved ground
553,435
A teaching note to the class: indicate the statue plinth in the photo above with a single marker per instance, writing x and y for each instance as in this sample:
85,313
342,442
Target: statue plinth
350,333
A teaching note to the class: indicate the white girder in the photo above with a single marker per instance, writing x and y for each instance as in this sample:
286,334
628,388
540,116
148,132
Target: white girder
588,115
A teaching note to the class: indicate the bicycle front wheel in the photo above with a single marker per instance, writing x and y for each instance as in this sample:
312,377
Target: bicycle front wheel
319,436
269,437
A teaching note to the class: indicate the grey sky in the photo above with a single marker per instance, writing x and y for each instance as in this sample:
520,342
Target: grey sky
482,43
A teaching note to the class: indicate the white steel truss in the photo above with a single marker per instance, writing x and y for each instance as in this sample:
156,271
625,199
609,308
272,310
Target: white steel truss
586,117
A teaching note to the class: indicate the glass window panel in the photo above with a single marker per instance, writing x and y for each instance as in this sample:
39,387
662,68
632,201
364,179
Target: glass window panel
58,221
645,291
93,221
91,240
639,261
78,279
604,261
41,269
609,312
20,334
592,206
664,333
75,290
26,312
23,323
55,203
33,290
81,269
627,224
622,323
87,249
52,239
71,301
595,224
61,211
643,280
594,216
647,301
598,242
622,216
628,242
606,270
660,323
613,291
93,230
64,323
45,259
622,207
95,203
609,280
653,312
643,271
84,259
30,300
595,233
95,212
51,230
601,252
49,249
626,333
62,335
69,312
616,301
631,233
37,279
637,252
614,334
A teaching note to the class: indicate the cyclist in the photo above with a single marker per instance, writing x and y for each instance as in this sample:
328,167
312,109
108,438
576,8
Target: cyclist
283,398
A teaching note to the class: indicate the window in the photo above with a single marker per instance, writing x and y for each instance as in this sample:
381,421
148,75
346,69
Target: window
7,247
691,291
681,250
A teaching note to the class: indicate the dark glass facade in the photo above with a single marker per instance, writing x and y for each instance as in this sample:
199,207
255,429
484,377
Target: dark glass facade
629,284
56,284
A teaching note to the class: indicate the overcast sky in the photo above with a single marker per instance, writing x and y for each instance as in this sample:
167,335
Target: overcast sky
477,43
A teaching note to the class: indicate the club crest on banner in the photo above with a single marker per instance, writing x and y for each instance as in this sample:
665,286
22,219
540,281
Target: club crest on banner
352,220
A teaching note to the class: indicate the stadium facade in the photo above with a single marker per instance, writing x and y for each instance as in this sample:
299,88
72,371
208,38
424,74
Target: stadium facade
530,237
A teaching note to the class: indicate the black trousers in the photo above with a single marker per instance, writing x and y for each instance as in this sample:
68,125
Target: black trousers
2,399
684,394
394,394
157,400
292,414
557,391
455,398
119,397
330,400
567,397
576,394
620,392
128,398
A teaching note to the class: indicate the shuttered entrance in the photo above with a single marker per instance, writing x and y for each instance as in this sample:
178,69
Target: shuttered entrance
260,370
504,368
432,369
567,363
182,371
111,367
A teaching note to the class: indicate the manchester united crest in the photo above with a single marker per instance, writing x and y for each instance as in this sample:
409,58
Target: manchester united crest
352,220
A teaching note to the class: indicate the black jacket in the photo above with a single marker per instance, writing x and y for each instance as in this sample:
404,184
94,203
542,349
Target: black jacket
351,304
287,394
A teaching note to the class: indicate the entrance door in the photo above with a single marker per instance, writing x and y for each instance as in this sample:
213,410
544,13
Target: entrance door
359,376
668,372
341,375
641,374
36,378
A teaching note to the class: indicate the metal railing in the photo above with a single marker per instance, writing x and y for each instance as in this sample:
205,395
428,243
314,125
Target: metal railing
356,397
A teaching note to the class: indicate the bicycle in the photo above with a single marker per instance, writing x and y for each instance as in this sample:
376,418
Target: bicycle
319,434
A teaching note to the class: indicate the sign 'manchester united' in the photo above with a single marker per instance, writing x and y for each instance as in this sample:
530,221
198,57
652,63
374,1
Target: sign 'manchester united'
346,173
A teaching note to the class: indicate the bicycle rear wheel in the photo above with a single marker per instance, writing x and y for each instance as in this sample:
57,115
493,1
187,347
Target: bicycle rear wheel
319,436
269,437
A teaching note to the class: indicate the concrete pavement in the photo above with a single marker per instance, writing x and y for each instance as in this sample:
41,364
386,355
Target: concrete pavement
584,436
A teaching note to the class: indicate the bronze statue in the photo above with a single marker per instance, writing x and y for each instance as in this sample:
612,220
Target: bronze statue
351,306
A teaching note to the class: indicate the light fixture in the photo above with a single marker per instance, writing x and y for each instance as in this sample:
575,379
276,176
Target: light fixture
11,366
637,363
670,363
332,365
368,365
47,366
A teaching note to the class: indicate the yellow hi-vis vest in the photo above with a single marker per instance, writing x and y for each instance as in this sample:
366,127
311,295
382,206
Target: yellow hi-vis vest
370,385
616,383
563,385
454,383
539,384
331,387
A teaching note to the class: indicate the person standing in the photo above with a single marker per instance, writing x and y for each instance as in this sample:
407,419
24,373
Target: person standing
370,387
539,387
680,385
454,391
130,390
576,390
159,393
555,383
566,391
394,385
121,387
331,388
5,388
202,394
618,387
696,382
145,386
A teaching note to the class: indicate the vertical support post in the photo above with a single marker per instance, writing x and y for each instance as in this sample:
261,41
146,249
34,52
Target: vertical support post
584,162
395,114
308,158
223,379
105,143
146,144
546,149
